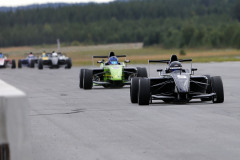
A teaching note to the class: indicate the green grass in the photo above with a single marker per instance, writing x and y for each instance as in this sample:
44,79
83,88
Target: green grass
82,55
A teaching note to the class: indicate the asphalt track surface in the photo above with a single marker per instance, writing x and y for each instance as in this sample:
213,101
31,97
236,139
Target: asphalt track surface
68,123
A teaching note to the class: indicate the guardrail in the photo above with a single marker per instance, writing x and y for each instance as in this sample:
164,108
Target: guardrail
14,124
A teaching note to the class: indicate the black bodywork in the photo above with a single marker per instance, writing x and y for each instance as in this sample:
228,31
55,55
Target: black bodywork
178,85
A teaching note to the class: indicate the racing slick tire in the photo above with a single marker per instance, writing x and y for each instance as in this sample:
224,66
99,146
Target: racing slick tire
69,63
209,89
144,91
32,64
217,87
13,64
141,72
87,79
40,64
81,78
19,63
134,89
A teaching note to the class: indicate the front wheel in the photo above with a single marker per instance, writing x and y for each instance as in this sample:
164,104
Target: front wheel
134,89
19,63
81,78
69,63
144,91
87,79
32,63
40,64
13,64
217,87
141,72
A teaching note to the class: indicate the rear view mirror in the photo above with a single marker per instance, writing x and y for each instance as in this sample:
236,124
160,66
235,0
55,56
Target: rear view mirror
159,70
127,61
193,69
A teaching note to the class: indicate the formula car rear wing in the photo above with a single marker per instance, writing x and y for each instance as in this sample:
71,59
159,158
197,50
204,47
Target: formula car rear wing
119,56
167,61
108,56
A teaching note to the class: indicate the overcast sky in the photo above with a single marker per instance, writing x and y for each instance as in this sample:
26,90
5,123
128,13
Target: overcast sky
13,3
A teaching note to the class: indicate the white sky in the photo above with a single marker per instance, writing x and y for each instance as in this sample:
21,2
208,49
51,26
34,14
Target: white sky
13,3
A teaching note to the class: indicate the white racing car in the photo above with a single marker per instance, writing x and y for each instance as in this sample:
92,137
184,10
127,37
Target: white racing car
54,60
5,62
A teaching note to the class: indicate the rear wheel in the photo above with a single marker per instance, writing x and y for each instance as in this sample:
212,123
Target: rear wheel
19,63
13,64
209,89
141,72
32,64
69,63
134,89
81,78
217,87
40,64
87,79
144,91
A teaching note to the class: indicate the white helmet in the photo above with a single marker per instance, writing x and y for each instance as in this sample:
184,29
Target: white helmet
54,54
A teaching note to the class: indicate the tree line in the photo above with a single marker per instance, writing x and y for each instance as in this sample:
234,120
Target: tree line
167,23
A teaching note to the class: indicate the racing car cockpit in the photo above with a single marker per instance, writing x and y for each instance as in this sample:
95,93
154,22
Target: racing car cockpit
54,54
174,66
113,60
30,55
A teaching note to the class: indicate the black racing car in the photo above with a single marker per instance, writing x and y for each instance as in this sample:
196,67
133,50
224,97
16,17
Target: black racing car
176,84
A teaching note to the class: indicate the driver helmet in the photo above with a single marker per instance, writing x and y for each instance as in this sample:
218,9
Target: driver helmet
1,55
113,60
54,54
175,65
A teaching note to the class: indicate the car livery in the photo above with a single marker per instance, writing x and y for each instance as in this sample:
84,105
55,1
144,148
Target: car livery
54,60
176,84
5,62
109,75
29,61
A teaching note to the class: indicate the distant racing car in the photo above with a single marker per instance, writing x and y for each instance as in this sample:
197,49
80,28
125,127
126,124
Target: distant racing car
29,61
54,60
111,74
176,84
5,62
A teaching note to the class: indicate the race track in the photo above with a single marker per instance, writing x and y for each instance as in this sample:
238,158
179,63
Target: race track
68,123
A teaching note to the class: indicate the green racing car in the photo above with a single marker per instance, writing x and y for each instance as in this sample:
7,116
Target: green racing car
111,74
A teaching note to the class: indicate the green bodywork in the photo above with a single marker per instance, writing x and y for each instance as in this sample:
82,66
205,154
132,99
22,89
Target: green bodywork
113,73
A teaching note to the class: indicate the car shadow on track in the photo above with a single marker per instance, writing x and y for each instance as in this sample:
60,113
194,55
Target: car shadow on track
102,88
177,103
